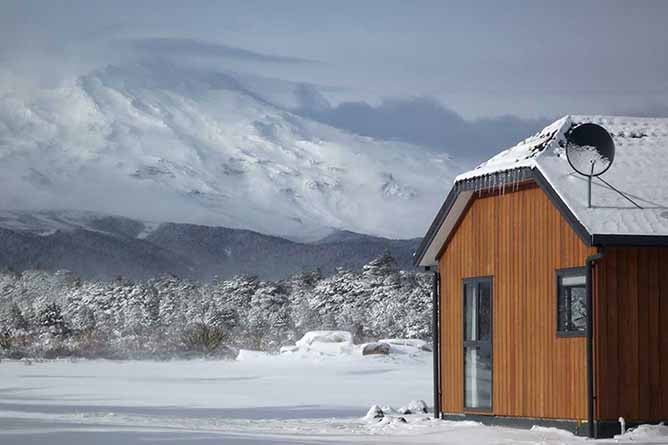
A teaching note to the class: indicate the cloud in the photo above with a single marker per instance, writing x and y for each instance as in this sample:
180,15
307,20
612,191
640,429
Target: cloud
422,121
653,109
173,46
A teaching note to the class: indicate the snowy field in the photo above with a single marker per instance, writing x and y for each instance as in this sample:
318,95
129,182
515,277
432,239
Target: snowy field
293,398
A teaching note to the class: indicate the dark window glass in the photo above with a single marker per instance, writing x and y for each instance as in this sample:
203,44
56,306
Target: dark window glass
571,302
478,344
485,311
470,312
478,311
478,375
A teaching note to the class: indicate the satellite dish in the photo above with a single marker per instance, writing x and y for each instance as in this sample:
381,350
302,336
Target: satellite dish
590,151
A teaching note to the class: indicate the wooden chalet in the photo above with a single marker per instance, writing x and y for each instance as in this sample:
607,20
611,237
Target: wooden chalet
548,311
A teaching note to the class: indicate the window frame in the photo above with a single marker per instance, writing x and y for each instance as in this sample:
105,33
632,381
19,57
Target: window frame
475,343
568,272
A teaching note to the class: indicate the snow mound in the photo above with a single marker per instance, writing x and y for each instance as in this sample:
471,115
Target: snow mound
646,434
320,343
248,355
375,348
406,345
417,406
374,413
325,337
338,343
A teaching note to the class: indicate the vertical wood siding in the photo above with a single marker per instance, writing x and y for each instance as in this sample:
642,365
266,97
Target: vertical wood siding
520,239
631,334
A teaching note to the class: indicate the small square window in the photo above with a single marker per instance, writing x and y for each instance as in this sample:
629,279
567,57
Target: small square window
571,302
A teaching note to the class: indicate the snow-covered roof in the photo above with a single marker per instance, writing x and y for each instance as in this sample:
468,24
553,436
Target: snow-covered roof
639,169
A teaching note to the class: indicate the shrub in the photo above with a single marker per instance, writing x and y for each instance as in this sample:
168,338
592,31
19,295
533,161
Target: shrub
5,341
203,338
16,318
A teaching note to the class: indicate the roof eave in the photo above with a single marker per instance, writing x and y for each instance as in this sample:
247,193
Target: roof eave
434,227
488,181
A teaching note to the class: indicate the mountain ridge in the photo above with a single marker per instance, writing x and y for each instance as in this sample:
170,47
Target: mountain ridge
101,246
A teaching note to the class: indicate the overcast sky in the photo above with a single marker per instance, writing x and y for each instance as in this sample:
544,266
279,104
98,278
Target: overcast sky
470,60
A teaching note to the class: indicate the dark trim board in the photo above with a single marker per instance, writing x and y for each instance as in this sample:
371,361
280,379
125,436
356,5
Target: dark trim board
578,428
605,429
630,240
436,329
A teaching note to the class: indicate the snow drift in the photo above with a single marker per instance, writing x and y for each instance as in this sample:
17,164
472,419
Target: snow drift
340,343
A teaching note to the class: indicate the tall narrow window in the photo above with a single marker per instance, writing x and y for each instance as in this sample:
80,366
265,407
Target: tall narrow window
571,302
478,344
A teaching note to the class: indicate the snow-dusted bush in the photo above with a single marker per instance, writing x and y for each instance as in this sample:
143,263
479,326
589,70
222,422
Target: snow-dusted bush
63,314
203,338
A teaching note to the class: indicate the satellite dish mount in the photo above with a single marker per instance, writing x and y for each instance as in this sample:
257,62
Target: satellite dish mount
590,151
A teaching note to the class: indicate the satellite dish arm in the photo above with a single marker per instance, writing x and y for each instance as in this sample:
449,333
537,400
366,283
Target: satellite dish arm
620,192
593,163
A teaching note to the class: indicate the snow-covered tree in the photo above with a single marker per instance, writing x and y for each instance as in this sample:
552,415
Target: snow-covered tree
168,315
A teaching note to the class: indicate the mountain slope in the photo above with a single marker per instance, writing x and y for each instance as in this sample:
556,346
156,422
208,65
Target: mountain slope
223,251
152,141
103,247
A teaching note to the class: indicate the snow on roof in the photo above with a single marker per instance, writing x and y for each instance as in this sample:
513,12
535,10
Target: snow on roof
639,169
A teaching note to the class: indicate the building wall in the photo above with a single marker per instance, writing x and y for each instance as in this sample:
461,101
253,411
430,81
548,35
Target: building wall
631,334
520,239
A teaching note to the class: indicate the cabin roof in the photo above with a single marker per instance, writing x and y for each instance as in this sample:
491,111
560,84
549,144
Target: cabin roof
639,169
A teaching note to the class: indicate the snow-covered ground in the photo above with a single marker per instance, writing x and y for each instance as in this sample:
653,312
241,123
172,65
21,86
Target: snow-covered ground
280,399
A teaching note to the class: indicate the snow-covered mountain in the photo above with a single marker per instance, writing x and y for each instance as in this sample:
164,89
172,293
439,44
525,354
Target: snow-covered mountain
153,141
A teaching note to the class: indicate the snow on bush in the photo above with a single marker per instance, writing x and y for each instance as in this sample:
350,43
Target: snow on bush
322,343
58,314
417,407
405,345
375,348
412,342
336,343
325,337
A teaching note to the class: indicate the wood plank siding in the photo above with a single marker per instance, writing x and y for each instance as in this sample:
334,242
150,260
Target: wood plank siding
631,334
521,240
